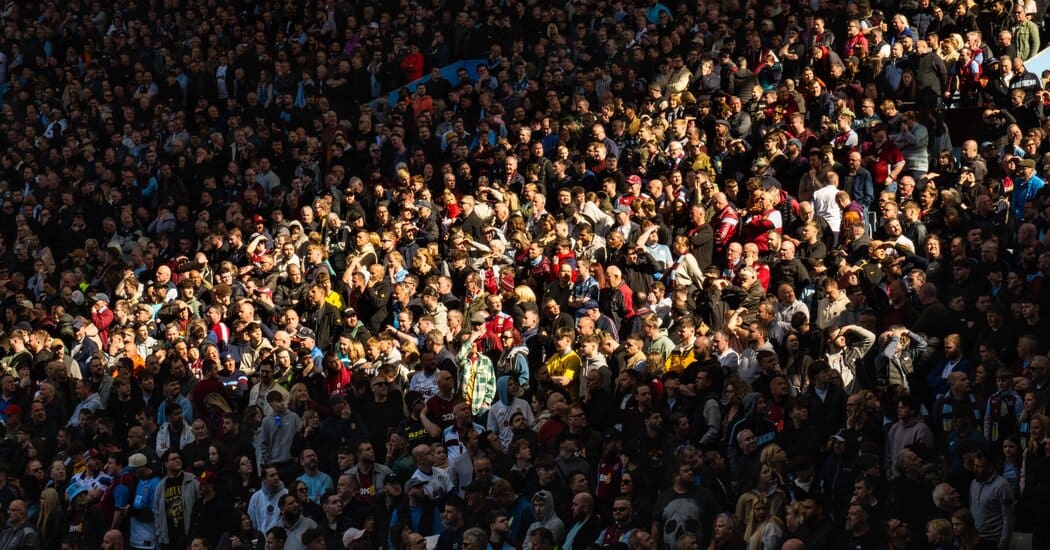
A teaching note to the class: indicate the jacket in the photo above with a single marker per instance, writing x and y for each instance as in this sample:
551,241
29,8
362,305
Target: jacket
190,496
550,520
23,537
503,409
164,437
263,508
1026,38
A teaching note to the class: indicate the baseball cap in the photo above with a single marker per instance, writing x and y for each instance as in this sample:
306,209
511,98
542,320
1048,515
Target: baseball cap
137,460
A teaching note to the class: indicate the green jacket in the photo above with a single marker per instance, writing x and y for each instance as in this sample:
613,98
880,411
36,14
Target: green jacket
1026,39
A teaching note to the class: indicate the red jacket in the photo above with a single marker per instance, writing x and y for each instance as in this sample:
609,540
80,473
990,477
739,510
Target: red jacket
102,319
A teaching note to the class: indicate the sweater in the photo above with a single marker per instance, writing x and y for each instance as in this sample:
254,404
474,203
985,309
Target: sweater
992,506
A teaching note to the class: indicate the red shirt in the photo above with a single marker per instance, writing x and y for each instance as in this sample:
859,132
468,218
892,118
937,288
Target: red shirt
888,156
439,411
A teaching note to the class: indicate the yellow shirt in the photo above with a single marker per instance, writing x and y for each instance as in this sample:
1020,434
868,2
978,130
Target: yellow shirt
566,365
679,360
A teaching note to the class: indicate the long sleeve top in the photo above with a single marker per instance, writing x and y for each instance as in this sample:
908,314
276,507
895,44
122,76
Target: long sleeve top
992,506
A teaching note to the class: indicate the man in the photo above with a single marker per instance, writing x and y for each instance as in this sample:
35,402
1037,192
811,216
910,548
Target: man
335,521
322,317
586,527
507,404
455,436
369,474
681,509
317,482
294,522
452,523
276,435
954,361
991,503
418,512
20,534
908,431
564,366
212,511
859,534
263,507
1025,33
1026,185
848,358
174,502
112,540
946,499
622,527
478,377
546,517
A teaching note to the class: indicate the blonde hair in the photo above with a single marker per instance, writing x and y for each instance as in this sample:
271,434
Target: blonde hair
942,531
525,294
49,503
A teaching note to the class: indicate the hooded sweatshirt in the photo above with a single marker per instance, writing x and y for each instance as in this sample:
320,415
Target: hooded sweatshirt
263,507
549,520
901,435
503,409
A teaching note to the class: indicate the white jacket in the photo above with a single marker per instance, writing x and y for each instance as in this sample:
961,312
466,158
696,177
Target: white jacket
164,437
263,508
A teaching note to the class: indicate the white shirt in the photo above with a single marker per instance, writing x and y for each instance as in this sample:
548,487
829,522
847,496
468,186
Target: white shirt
826,208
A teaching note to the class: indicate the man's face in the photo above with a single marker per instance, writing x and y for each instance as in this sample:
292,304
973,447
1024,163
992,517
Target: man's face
271,478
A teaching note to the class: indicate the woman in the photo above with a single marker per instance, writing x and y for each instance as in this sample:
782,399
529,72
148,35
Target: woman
633,487
765,488
514,361
939,535
59,480
299,399
1033,405
244,483
51,520
732,402
396,266
796,362
241,536
1010,468
764,530
1034,481
965,530
685,271
777,459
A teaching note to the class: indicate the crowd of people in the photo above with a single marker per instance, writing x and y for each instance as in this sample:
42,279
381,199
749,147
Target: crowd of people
673,276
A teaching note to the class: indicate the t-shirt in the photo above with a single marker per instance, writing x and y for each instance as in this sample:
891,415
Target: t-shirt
678,514
143,534
173,505
439,411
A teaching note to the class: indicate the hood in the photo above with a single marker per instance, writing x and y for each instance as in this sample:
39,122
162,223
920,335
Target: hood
548,505
273,493
749,402
501,390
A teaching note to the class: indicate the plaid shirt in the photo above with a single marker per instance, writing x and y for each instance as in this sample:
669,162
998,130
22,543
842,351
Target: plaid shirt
477,378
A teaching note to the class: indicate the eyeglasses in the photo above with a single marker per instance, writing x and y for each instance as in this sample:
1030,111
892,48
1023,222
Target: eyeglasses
626,481
619,509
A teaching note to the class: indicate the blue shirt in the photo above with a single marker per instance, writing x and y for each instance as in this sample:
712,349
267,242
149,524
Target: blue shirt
316,485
